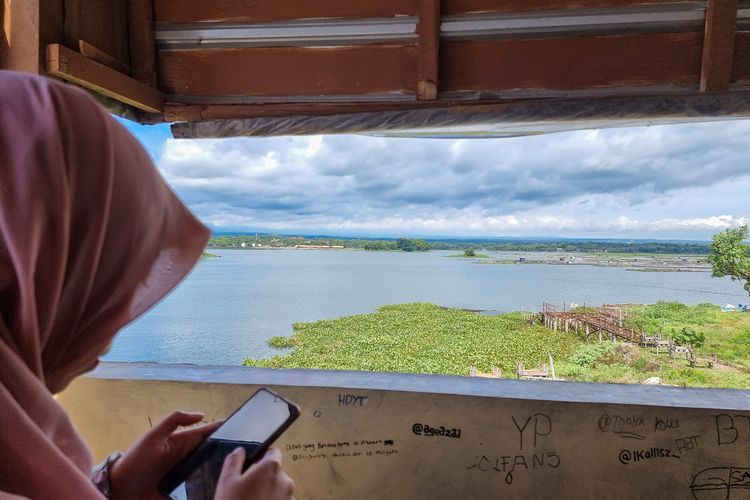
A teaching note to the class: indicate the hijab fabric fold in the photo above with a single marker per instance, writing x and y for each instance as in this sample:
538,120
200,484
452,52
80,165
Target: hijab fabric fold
90,238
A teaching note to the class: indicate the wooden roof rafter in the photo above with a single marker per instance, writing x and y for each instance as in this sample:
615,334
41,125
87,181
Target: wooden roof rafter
718,45
429,47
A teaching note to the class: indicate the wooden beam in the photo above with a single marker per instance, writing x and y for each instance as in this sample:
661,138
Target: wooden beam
176,112
285,71
100,56
428,29
584,110
179,112
194,11
453,7
142,44
73,67
572,64
741,65
19,39
718,44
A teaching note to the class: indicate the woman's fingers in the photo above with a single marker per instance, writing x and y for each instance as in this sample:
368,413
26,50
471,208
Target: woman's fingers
272,458
176,419
233,464
265,480
199,432
188,439
272,454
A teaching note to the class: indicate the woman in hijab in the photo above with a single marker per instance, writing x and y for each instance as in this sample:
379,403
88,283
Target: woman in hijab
90,238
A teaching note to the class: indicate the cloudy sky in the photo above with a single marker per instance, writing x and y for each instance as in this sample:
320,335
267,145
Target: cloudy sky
666,182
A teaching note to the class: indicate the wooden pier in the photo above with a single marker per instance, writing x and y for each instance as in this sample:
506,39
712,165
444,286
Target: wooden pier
607,320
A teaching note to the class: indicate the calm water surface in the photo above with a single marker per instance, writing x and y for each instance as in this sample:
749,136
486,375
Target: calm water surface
229,306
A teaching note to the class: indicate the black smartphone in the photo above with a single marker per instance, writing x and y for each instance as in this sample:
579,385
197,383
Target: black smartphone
254,426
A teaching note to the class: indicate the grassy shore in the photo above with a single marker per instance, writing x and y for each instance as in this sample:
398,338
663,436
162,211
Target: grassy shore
426,338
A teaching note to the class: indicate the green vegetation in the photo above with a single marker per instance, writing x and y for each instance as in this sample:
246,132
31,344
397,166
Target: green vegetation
280,342
206,255
276,241
473,256
729,256
614,248
675,320
426,338
705,326
420,338
726,333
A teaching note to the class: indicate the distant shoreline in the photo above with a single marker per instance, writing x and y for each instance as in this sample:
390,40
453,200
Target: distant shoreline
636,262
552,245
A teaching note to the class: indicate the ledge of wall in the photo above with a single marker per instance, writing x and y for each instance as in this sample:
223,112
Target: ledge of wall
368,435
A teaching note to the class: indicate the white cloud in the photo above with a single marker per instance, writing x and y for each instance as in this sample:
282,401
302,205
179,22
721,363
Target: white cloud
669,181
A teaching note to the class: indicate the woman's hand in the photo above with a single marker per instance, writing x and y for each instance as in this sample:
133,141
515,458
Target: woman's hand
137,474
264,480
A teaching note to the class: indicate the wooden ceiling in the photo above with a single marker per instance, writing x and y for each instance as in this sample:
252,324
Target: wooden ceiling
233,67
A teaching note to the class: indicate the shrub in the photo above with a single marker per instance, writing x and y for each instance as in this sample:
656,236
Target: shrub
687,376
640,364
589,355
652,366
689,336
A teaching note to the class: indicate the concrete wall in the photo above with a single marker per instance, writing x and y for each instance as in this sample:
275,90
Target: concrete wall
371,435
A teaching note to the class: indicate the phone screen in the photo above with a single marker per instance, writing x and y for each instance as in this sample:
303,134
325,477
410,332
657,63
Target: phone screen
254,426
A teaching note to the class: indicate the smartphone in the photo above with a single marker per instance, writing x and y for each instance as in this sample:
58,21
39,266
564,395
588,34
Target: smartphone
254,426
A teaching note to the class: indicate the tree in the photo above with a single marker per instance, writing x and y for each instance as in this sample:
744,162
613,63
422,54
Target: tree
407,245
469,252
729,256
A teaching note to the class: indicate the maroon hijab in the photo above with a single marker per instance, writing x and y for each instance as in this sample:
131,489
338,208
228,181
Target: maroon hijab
90,238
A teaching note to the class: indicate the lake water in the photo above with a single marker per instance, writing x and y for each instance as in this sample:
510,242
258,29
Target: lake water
229,306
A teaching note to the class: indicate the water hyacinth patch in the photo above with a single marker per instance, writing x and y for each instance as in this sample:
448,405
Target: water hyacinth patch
419,338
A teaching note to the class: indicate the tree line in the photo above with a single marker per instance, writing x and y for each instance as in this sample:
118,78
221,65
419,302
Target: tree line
421,245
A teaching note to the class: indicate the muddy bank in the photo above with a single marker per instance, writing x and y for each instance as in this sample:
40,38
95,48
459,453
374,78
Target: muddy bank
644,263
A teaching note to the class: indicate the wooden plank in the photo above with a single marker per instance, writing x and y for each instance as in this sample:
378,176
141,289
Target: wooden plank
142,44
73,67
428,29
194,112
453,7
718,44
100,56
19,40
663,59
741,63
289,71
192,11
